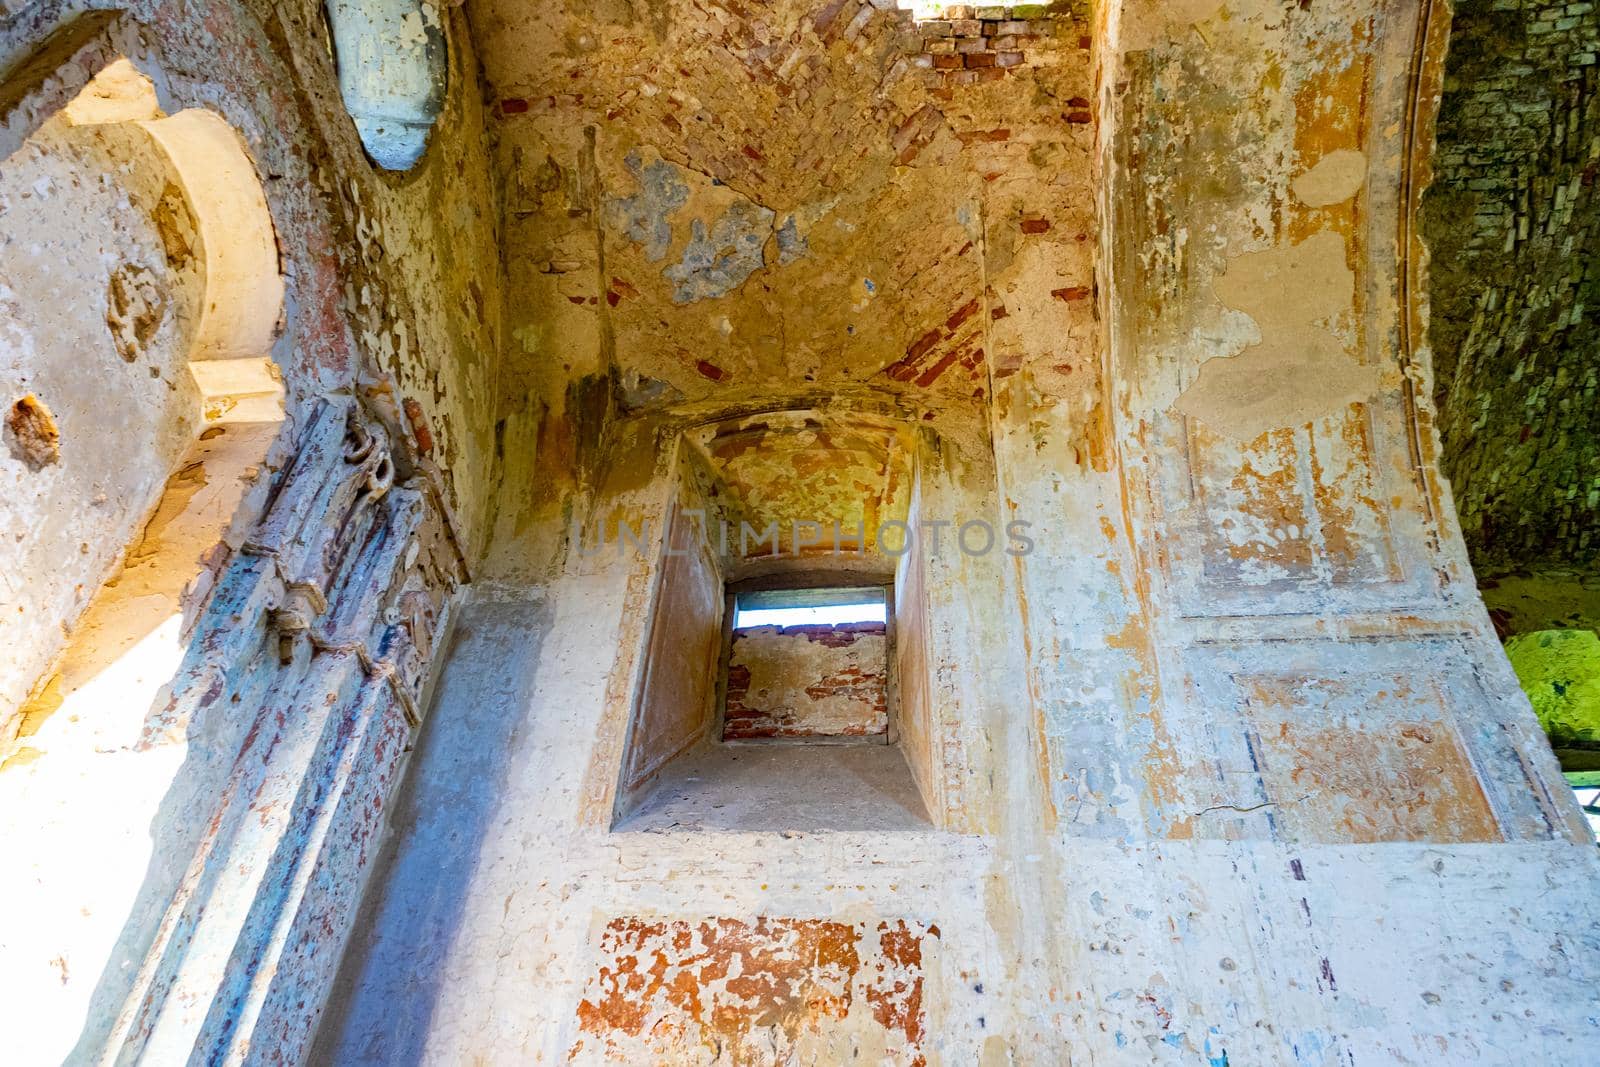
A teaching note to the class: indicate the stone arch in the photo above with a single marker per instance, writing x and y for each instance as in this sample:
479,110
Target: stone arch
392,64
142,296
141,397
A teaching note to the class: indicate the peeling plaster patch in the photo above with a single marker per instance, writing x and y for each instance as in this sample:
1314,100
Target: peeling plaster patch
791,246
1406,781
1301,375
645,216
716,262
1287,284
1298,371
771,990
135,309
1148,23
31,433
1337,176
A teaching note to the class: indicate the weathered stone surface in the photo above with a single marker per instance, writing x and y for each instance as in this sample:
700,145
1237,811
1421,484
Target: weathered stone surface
1513,222
1106,362
807,681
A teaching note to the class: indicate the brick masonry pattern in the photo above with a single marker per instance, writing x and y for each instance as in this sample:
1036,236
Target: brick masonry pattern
1513,225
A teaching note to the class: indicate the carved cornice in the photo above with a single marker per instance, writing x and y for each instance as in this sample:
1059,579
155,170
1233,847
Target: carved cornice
363,567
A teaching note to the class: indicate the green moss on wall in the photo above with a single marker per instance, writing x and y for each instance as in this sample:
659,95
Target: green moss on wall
1560,672
1513,223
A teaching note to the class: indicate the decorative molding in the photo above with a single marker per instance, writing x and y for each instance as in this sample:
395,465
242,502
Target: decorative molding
340,598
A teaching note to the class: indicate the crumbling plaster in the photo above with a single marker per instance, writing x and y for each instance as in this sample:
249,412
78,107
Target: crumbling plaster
1228,768
402,333
1212,759
800,681
411,326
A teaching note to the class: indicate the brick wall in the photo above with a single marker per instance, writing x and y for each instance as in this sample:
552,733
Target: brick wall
1513,224
967,44
808,681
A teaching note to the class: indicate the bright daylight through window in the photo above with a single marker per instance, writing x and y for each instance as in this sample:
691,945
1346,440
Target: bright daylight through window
801,607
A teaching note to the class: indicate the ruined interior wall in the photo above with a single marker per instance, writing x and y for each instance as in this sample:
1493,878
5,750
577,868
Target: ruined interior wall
1251,570
1309,635
808,681
242,822
421,264
424,310
664,232
527,830
678,685
1512,220
99,328
903,204
914,711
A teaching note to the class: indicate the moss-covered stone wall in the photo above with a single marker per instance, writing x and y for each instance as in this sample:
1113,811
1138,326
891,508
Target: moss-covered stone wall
1513,223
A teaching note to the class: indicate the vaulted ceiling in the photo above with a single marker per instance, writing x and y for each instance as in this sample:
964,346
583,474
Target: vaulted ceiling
718,198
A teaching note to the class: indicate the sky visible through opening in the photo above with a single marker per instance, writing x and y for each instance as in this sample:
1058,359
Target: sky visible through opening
1589,798
819,615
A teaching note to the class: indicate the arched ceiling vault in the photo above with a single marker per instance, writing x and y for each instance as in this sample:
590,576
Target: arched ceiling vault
713,197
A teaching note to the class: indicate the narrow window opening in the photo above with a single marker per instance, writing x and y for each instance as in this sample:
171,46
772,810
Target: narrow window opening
781,693
391,60
809,607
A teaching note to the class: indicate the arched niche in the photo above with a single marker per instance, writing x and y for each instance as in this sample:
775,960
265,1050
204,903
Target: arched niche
140,275
787,507
140,297
391,57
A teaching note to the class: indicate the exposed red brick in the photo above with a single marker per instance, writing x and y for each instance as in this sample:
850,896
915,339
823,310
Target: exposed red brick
898,1006
1035,225
513,105
965,312
921,345
1075,292
419,425
823,21
710,370
931,375
862,681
